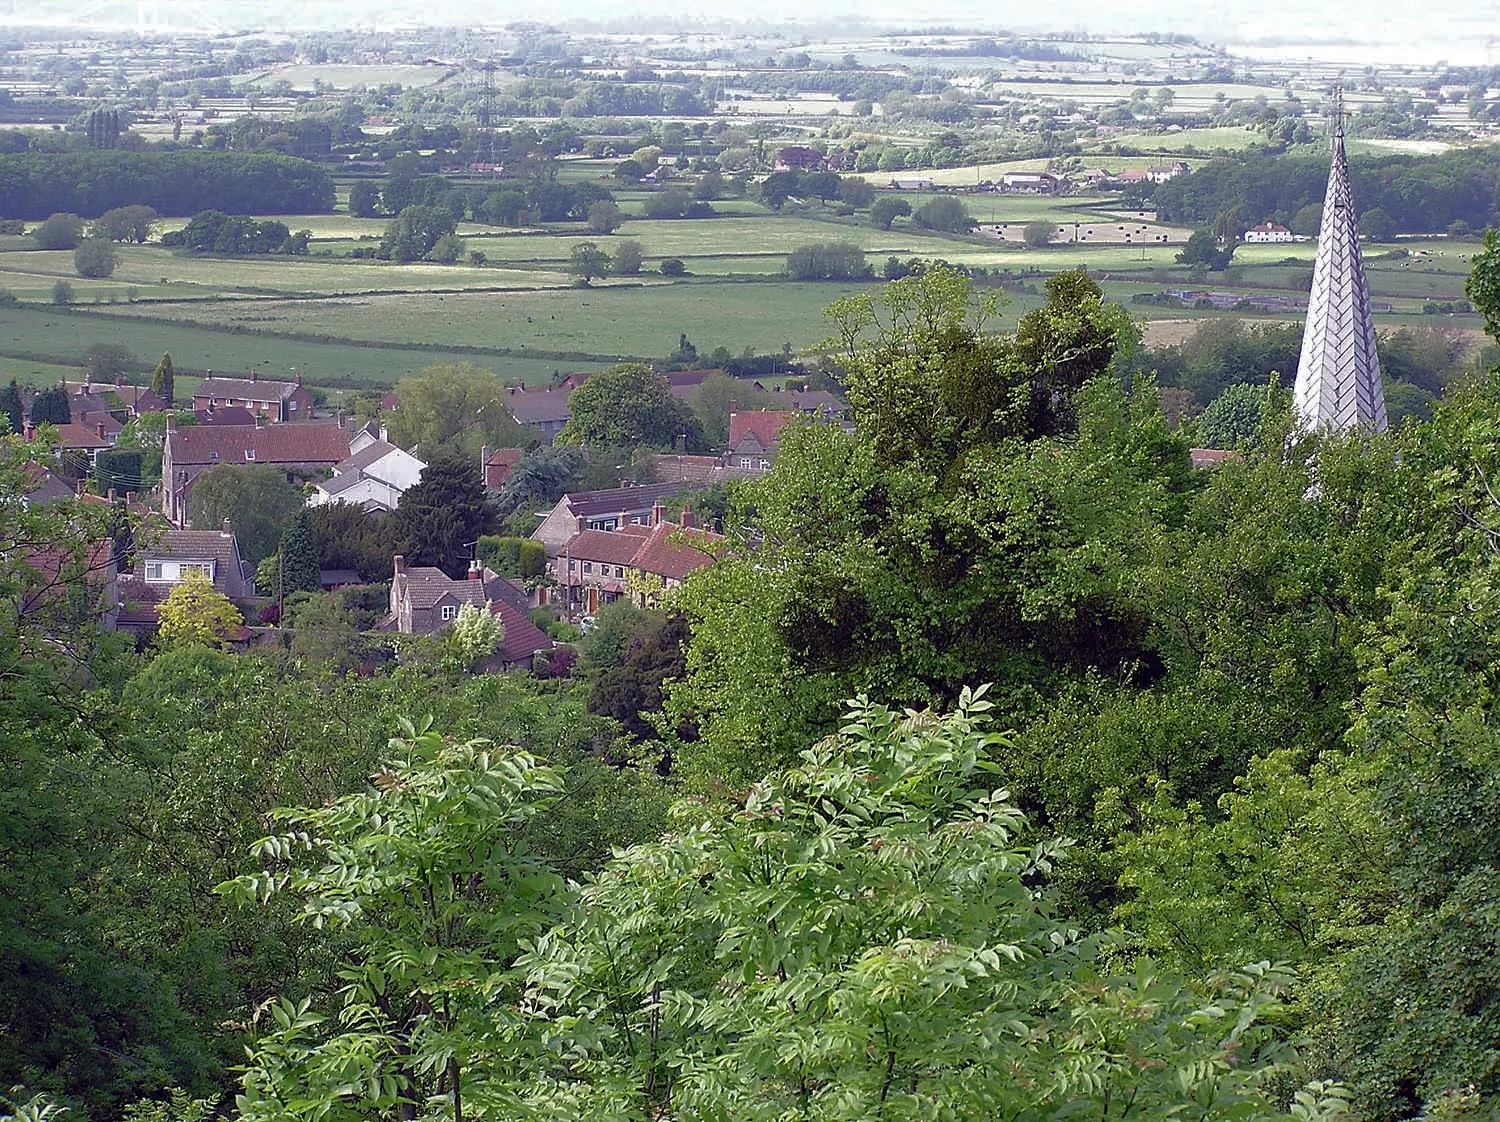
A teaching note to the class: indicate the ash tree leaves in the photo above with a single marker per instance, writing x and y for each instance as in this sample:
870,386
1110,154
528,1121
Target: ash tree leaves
859,937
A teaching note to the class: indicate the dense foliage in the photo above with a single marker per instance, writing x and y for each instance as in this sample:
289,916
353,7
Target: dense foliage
36,184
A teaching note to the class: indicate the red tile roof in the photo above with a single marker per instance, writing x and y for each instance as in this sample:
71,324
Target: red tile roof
674,553
72,435
272,444
522,637
1208,457
505,457
764,427
604,546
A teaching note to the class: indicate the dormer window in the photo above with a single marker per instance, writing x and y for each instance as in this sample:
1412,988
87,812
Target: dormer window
249,455
449,612
213,457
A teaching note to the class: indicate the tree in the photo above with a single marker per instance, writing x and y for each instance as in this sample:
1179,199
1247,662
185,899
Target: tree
59,231
627,406
604,217
1376,225
886,209
716,396
1308,220
364,198
446,250
126,224
856,192
1203,249
542,477
297,557
197,614
164,381
256,500
51,406
10,407
827,261
629,171
411,235
709,187
476,634
1037,234
106,362
1233,417
628,258
587,261
671,203
673,267
453,408
1483,285
62,293
440,519
944,213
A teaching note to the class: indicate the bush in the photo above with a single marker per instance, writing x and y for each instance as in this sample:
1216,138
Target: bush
627,258
673,267
947,214
62,293
94,257
671,203
1037,234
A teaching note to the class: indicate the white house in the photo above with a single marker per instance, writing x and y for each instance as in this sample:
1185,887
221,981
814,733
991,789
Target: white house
1032,182
374,477
1269,232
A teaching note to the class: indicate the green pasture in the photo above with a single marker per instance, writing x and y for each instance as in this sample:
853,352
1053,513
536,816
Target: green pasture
347,77
1223,139
45,337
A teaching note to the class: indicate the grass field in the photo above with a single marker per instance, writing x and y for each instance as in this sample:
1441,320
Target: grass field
1226,139
348,77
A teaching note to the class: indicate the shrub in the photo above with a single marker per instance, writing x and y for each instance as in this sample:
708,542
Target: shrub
94,257
62,293
827,261
60,231
673,267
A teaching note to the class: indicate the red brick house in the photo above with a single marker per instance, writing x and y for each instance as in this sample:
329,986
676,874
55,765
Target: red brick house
754,437
598,567
498,465
300,451
276,401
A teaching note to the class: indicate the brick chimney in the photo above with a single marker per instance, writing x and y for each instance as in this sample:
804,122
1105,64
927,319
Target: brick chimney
82,486
689,521
30,430
224,527
299,378
254,375
99,428
399,563
476,570
658,513
111,496
130,498
260,420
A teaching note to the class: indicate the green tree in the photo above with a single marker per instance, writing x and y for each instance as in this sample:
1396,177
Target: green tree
587,261
886,209
51,406
446,250
62,293
716,397
364,198
827,261
254,499
297,555
628,406
671,203
604,217
1377,225
1233,417
126,224
1483,285
628,257
1037,234
59,231
1308,221
196,614
944,213
476,634
1203,249
11,406
439,520
856,192
453,408
164,381
411,235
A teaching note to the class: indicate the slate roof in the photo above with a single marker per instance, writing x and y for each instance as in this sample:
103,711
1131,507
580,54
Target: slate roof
764,427
618,500
426,586
193,545
522,637
272,444
245,389
1338,375
225,415
46,486
538,407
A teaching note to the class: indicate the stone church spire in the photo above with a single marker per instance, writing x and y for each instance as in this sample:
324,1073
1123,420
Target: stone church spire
1338,377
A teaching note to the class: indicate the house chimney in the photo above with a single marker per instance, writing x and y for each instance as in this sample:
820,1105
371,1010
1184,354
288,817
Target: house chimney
30,432
582,523
299,377
99,428
658,513
111,496
82,487
399,563
688,519
130,498
254,375
476,571
260,420
224,527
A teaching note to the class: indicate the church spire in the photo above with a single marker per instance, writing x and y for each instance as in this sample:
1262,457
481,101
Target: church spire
1338,377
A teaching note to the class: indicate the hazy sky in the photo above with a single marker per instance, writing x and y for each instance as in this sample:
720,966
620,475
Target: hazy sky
1389,31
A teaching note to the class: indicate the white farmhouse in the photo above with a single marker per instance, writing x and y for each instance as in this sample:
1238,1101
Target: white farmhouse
1269,232
374,477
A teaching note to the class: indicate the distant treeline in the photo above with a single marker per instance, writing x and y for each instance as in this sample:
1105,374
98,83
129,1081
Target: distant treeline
36,184
1420,194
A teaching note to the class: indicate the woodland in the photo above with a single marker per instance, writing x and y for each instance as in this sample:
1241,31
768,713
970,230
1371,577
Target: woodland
1002,767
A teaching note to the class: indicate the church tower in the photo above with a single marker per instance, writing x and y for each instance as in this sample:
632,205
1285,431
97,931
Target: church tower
1338,377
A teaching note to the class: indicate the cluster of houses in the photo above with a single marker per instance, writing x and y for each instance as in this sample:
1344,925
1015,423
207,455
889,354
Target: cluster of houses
601,546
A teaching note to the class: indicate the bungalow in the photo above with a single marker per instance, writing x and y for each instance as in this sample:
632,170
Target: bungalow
296,450
373,478
278,401
545,412
911,182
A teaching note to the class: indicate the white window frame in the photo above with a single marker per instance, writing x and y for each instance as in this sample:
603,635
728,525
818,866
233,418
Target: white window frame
448,612
154,571
249,455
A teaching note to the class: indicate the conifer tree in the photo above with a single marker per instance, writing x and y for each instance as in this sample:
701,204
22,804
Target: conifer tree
162,381
299,557
10,405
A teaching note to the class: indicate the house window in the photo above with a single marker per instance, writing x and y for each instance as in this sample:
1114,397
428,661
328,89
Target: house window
250,455
588,566
572,565
213,457
746,462
294,405
189,567
619,571
153,571
449,611
765,465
